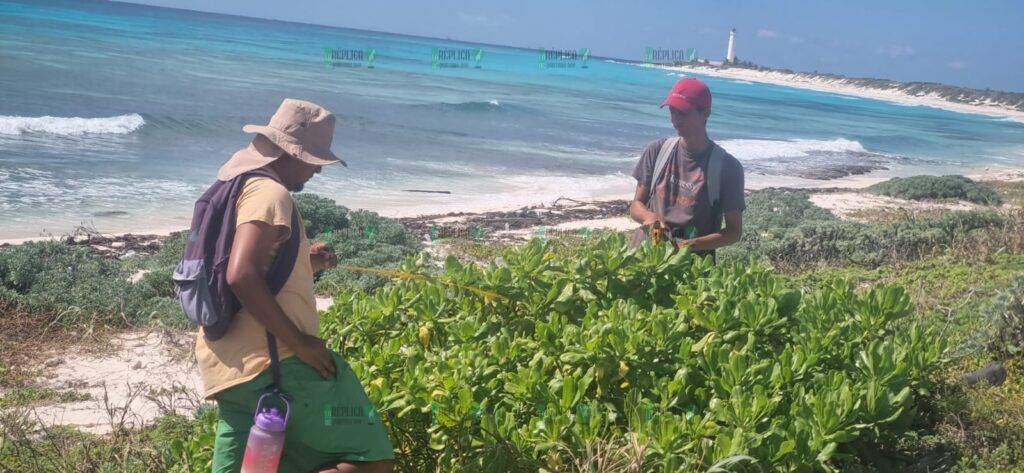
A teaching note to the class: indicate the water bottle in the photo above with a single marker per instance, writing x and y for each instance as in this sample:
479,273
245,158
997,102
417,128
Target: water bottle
266,439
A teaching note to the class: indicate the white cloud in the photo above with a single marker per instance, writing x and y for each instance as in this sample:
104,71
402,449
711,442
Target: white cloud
896,51
796,40
766,33
958,65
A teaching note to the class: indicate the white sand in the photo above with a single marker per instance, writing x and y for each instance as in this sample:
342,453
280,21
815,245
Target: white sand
147,375
484,205
613,223
469,207
163,231
844,87
324,303
999,174
575,227
843,204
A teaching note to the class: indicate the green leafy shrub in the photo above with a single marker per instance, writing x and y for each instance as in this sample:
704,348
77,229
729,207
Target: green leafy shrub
160,281
189,442
368,240
770,208
787,230
170,253
937,187
77,286
320,214
541,359
71,283
1007,315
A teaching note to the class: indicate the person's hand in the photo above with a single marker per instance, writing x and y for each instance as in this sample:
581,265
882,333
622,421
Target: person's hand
322,256
313,352
652,220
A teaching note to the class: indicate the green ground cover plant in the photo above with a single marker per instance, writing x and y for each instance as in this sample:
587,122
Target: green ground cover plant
937,188
657,359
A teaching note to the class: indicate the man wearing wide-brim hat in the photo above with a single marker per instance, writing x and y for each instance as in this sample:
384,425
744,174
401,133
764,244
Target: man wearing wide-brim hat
235,367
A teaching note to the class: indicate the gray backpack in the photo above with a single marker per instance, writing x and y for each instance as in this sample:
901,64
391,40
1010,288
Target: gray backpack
200,279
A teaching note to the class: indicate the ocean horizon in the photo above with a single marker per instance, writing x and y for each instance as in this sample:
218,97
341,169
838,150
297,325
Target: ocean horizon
117,116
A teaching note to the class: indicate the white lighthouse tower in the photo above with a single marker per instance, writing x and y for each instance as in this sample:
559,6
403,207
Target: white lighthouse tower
730,54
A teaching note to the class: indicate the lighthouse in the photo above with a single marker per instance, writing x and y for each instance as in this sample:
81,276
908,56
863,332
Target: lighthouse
730,54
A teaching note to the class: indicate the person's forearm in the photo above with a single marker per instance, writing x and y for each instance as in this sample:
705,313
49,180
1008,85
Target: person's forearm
640,213
714,241
255,296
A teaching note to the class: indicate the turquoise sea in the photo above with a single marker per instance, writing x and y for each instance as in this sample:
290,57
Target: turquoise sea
118,116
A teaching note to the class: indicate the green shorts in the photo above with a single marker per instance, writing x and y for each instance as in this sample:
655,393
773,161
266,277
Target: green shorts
332,420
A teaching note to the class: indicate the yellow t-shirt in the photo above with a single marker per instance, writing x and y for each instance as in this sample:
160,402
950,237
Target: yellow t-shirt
241,354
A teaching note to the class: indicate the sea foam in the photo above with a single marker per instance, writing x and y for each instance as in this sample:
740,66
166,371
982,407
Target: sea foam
745,149
70,126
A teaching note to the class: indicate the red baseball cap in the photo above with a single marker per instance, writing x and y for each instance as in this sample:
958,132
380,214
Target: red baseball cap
689,93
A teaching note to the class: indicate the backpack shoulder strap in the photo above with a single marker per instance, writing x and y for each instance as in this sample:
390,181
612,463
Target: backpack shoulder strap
659,165
714,178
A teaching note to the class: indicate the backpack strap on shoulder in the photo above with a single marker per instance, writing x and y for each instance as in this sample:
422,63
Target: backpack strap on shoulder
714,178
287,256
659,165
280,271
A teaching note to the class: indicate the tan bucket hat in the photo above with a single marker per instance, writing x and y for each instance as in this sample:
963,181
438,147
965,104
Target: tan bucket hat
300,128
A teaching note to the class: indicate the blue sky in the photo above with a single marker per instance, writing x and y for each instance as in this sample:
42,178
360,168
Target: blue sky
973,44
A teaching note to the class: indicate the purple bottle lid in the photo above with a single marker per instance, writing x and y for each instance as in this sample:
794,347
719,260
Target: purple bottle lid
270,420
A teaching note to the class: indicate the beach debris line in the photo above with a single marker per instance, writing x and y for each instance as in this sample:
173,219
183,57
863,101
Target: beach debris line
499,224
427,191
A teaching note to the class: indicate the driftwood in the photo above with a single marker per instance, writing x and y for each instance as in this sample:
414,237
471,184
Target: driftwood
429,192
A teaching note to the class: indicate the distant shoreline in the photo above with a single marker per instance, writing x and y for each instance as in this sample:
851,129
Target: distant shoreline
844,86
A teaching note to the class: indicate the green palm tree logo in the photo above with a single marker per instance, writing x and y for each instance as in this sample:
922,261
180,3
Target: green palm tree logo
372,415
585,54
691,54
478,54
371,54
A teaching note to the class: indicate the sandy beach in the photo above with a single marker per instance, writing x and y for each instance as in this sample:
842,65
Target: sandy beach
846,87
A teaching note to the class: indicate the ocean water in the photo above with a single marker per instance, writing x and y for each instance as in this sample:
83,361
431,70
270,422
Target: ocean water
117,116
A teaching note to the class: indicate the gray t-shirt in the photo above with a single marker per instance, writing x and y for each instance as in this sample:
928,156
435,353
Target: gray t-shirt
681,197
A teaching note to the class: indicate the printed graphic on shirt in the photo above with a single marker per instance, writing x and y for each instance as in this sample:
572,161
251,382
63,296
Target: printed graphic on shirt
684,183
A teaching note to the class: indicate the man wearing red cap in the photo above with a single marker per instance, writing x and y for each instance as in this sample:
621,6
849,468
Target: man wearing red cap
688,184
